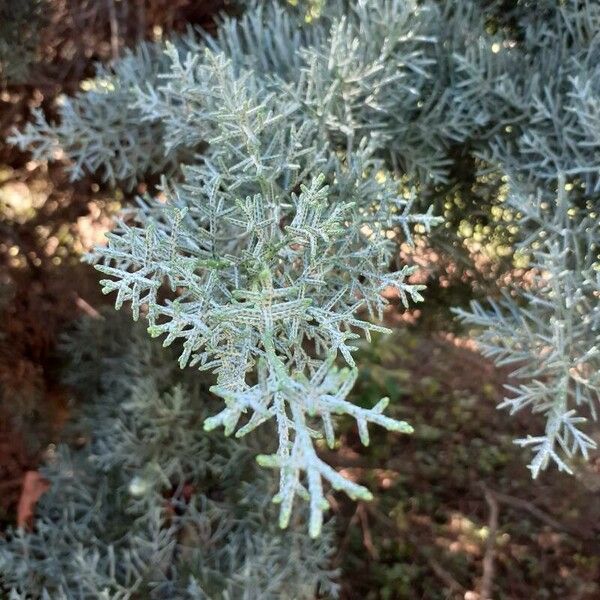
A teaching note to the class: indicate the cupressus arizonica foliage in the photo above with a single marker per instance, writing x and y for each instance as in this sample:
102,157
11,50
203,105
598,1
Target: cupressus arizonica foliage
550,330
284,145
149,505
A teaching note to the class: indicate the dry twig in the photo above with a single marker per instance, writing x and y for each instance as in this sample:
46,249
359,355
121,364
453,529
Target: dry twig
490,548
367,538
542,516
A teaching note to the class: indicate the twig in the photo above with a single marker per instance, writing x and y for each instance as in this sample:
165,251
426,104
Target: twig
367,538
490,547
440,571
87,308
114,30
539,514
141,21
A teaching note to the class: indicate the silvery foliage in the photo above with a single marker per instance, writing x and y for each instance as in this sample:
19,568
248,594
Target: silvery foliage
384,79
98,131
414,76
550,330
410,75
549,108
153,506
277,237
272,265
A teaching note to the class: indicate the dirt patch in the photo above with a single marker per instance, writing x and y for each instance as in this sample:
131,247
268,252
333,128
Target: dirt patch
430,533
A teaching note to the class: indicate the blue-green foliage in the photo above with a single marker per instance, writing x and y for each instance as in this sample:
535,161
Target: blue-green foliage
284,142
549,331
407,75
275,239
98,131
549,147
153,506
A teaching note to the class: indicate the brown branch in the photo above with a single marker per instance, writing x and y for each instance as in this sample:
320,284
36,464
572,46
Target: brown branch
438,570
367,538
114,30
539,514
490,547
87,308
